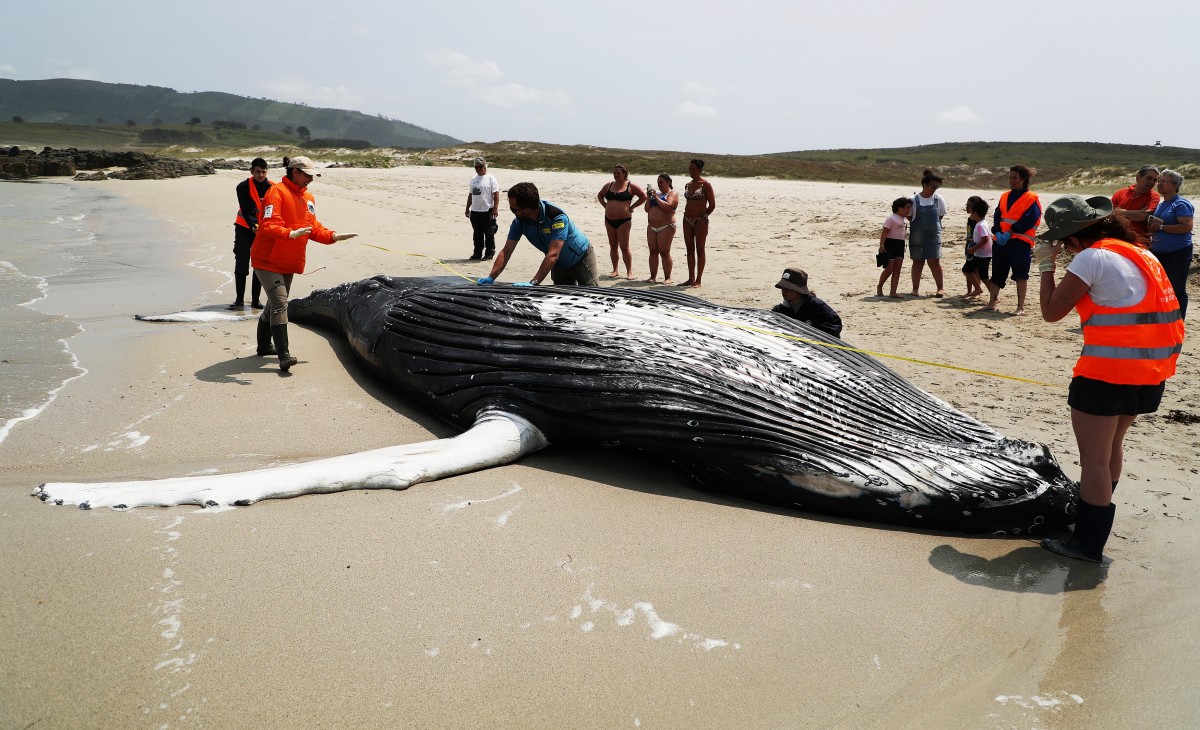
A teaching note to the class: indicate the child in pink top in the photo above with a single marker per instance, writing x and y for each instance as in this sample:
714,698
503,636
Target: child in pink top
891,243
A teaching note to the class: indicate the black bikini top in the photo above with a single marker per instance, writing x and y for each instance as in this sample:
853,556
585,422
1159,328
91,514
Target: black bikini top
627,195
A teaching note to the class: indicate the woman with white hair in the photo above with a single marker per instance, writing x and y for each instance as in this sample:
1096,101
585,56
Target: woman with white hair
1132,336
1171,233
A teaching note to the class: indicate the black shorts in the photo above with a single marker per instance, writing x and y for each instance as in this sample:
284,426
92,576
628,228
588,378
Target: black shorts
978,264
1098,398
894,247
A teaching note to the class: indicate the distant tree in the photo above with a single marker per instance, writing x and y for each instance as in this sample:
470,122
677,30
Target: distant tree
287,130
194,121
302,132
100,120
130,123
256,128
18,120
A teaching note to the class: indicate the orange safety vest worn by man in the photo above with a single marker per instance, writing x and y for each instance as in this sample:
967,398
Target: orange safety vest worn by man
289,220
249,196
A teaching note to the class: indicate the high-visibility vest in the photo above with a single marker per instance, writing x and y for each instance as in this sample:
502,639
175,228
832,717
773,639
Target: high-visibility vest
241,221
1009,217
1135,345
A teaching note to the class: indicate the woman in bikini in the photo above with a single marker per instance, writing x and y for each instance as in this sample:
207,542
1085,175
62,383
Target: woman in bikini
619,198
700,204
660,229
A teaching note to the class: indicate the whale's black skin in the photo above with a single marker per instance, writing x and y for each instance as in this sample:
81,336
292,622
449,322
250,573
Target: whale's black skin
799,423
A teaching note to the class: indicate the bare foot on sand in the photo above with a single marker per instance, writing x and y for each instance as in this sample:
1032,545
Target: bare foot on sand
1020,312
991,307
668,282
614,275
686,283
652,280
879,291
894,295
630,277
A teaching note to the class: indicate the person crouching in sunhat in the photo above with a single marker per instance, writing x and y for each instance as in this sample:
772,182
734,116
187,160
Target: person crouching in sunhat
800,303
1132,336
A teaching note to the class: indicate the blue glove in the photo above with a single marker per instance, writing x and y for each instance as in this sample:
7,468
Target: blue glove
523,283
1002,237
486,280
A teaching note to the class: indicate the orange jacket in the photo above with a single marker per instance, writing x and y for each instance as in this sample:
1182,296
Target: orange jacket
1009,217
286,207
240,219
1135,345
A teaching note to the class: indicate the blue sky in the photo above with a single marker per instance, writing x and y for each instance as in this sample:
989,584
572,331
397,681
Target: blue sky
719,77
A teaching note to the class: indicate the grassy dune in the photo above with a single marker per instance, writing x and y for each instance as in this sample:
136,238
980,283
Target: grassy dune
1076,166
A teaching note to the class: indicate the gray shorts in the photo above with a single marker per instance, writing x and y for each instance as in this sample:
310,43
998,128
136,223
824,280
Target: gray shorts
581,274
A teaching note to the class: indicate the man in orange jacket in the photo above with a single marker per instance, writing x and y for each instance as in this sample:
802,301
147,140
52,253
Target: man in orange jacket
289,220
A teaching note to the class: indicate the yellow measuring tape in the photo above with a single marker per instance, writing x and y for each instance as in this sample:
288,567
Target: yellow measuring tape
760,331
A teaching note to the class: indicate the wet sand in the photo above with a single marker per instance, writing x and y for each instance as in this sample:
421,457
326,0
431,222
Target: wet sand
577,587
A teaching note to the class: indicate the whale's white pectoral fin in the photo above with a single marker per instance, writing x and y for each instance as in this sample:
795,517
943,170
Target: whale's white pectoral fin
497,438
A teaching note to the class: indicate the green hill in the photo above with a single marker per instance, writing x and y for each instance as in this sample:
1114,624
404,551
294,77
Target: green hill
79,102
1083,166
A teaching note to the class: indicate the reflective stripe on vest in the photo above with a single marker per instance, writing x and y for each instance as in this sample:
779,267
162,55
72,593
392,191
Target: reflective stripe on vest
1116,320
1136,345
241,221
1009,217
1131,353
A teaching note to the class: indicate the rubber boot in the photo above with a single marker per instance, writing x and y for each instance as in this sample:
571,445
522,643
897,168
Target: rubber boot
1092,527
264,338
279,334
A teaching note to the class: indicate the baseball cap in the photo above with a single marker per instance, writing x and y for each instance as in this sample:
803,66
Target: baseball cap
303,164
480,162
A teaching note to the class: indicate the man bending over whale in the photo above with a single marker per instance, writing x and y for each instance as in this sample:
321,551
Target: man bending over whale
800,303
569,257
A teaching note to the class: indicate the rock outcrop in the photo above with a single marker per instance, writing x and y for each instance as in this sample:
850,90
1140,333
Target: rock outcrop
18,164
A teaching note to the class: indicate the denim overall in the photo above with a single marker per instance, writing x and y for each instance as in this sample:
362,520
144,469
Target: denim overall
925,234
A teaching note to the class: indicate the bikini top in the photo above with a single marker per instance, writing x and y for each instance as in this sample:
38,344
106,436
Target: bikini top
626,195
697,194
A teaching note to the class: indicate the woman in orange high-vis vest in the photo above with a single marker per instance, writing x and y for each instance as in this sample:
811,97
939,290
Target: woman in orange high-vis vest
1132,336
250,193
289,220
1016,220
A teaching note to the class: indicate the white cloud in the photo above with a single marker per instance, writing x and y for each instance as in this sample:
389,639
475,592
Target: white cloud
692,109
511,96
88,74
697,88
479,79
337,97
462,70
8,70
958,115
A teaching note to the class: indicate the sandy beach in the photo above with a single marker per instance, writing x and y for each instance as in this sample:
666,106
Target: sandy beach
578,587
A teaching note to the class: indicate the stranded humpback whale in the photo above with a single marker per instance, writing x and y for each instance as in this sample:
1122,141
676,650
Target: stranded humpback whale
747,402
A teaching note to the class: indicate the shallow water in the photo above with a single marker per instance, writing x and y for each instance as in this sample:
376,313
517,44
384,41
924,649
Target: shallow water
74,259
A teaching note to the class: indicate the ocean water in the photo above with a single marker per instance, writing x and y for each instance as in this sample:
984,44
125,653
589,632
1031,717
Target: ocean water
75,260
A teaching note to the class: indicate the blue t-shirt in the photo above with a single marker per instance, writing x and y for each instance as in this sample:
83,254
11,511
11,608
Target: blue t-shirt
1171,211
552,225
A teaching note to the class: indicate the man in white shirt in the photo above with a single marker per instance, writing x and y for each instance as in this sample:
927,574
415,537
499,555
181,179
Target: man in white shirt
483,203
